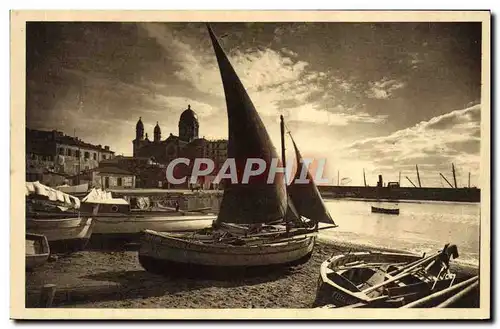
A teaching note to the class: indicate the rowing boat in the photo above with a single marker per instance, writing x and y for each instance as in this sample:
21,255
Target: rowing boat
383,279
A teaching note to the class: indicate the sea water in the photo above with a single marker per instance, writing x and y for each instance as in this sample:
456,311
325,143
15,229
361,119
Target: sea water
420,227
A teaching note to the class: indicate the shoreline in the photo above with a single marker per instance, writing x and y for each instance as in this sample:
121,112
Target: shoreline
115,279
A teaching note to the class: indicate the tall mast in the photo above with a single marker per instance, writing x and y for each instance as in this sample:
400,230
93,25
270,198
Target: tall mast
364,177
79,158
469,180
283,158
418,177
408,178
454,175
399,180
446,180
338,177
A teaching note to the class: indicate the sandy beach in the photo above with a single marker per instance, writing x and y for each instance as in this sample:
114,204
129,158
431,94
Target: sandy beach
115,279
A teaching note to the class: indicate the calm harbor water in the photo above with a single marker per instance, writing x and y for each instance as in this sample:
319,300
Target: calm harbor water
420,227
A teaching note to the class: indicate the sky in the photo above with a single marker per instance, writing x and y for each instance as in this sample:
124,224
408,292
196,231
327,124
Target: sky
382,97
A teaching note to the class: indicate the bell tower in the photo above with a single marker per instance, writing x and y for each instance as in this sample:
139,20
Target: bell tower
139,136
157,133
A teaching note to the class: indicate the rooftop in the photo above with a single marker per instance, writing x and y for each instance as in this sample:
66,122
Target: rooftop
60,137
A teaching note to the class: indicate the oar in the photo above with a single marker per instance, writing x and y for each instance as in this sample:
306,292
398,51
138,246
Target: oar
395,278
327,227
409,269
416,263
457,297
422,302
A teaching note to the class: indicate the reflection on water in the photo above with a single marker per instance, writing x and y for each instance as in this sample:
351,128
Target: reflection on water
420,226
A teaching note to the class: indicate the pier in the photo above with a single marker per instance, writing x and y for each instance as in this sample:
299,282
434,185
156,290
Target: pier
206,198
402,193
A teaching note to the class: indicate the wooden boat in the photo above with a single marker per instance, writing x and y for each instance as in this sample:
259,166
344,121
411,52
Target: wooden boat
55,215
128,227
383,279
63,235
114,219
462,294
390,211
37,250
242,238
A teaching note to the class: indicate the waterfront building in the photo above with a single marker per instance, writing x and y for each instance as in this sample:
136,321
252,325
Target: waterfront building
55,152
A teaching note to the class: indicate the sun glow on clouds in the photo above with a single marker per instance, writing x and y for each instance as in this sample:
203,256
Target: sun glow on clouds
384,88
276,81
432,145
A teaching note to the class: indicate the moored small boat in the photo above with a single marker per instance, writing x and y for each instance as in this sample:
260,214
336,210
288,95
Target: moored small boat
390,211
37,250
64,234
382,279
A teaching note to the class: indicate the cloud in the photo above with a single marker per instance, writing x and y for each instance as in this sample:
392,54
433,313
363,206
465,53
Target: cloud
384,88
311,113
276,81
432,144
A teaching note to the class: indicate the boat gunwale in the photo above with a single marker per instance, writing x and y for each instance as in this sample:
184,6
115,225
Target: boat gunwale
355,294
225,248
32,261
39,223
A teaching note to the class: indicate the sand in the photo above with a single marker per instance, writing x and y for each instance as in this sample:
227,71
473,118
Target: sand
115,279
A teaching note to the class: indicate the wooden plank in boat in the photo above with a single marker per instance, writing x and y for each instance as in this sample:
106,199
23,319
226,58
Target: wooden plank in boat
420,287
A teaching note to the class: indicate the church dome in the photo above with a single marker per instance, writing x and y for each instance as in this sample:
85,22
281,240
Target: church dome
188,116
188,125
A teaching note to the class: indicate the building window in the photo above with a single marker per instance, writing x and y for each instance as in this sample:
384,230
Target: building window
86,155
119,181
68,152
77,153
61,151
104,156
95,156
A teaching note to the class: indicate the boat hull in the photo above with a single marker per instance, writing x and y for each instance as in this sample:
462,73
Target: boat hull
135,225
330,293
37,251
385,211
161,253
63,235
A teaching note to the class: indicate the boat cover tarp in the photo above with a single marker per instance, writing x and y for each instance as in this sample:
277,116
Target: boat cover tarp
43,192
102,197
82,188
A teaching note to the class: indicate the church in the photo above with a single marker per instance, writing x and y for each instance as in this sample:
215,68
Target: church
186,145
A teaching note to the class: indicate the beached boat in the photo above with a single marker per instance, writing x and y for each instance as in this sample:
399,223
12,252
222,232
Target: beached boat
55,215
64,235
257,224
37,250
114,218
390,211
383,279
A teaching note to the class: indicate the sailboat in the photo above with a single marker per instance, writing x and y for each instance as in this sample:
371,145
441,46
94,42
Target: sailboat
257,224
